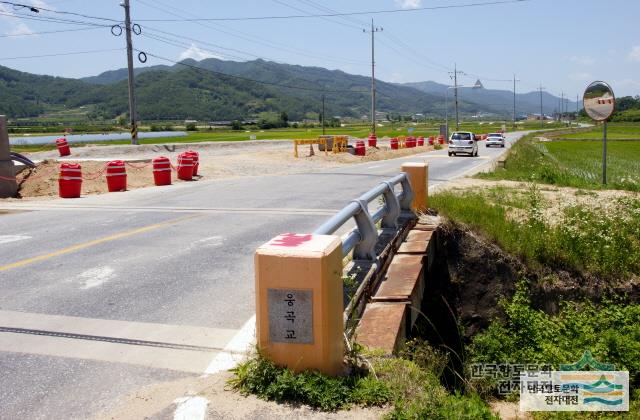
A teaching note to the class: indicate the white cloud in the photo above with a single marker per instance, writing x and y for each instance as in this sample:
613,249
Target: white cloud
583,60
580,76
197,54
42,4
408,4
634,55
397,78
19,29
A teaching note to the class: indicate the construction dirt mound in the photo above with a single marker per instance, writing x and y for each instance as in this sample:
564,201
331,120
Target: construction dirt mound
214,164
43,180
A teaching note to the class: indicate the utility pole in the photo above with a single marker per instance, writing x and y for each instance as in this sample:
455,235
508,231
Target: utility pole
455,84
373,31
514,100
132,98
541,110
577,107
323,116
562,106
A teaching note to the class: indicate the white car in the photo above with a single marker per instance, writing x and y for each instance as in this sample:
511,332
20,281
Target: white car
495,139
463,142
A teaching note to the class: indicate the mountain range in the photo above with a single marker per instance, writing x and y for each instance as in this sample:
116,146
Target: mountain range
214,89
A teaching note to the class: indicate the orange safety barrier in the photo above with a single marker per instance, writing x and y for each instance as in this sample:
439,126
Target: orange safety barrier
300,142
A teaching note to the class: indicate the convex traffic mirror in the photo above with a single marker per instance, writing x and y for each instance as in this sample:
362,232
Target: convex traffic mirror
599,101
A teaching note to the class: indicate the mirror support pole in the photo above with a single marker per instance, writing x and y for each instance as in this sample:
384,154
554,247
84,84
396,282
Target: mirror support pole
604,153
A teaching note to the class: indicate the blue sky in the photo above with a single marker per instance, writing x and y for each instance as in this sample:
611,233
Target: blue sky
561,44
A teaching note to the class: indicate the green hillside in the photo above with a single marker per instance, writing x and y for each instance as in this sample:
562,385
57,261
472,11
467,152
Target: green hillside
204,91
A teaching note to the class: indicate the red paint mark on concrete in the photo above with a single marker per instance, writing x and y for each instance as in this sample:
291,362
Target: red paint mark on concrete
291,240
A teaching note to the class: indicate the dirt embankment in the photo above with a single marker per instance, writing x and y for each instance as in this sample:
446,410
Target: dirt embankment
217,161
471,275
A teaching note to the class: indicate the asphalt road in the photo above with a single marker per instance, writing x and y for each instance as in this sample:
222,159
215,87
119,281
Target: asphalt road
105,294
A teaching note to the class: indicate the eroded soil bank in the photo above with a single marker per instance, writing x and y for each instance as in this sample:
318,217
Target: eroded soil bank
469,278
472,275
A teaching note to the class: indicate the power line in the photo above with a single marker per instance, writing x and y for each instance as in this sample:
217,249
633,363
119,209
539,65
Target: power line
51,32
322,8
247,79
38,9
61,54
370,12
418,54
181,44
348,25
237,34
53,20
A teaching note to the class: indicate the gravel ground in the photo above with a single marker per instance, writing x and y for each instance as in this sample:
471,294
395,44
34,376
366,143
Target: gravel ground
217,160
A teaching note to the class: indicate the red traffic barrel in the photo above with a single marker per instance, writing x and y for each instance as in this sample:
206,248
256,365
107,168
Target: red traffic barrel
394,143
420,141
410,142
360,148
162,171
441,139
70,180
63,147
196,160
185,167
116,176
373,140
431,140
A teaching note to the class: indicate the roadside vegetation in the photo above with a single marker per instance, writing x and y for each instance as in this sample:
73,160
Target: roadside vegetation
585,231
599,238
408,386
610,331
575,163
615,131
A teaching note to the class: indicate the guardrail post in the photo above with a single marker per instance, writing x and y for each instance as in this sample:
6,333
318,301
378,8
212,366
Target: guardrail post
407,195
8,185
366,248
390,220
299,302
418,174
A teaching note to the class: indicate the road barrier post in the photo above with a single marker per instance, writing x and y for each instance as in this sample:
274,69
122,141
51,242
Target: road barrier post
8,184
299,302
418,174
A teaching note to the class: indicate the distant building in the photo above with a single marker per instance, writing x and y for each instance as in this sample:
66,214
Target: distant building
536,117
381,116
219,123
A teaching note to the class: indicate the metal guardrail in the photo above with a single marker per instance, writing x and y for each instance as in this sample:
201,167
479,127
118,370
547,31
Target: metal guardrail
362,240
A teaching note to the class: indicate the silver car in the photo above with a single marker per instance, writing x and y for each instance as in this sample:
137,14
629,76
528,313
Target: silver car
463,142
495,139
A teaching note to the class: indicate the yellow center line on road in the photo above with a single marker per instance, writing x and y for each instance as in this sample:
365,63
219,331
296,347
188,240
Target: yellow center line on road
94,242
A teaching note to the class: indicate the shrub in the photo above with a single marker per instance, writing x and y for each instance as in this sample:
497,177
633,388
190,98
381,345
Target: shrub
611,331
264,379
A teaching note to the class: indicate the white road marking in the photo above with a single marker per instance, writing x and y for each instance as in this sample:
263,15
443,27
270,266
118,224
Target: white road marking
374,166
212,340
95,277
5,239
191,408
211,241
186,335
236,350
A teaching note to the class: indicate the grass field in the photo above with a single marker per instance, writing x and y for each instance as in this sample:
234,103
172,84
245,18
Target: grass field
361,131
573,163
615,131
